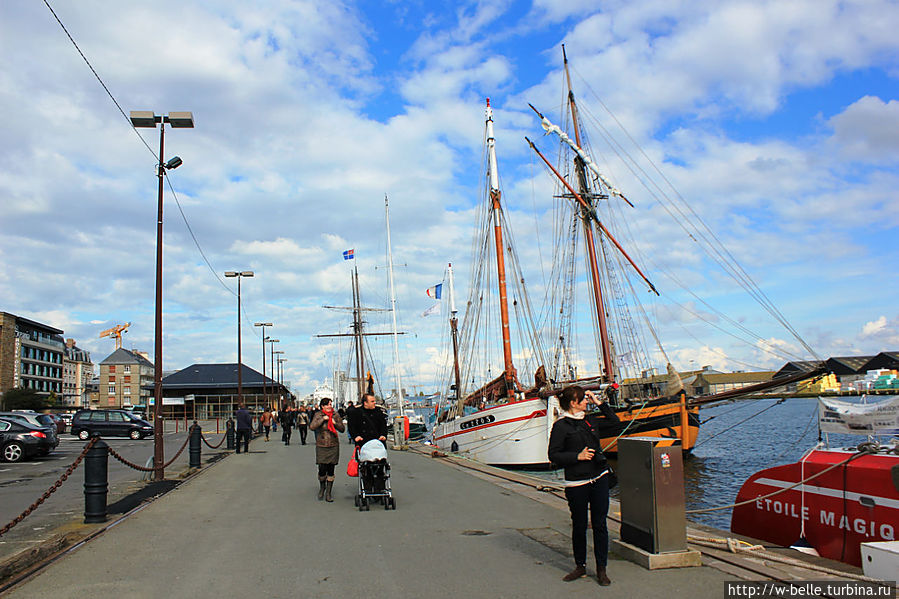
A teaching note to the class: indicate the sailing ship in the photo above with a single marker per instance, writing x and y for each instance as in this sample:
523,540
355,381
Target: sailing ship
507,423
832,499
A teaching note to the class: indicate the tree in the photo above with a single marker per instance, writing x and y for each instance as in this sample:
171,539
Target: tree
24,399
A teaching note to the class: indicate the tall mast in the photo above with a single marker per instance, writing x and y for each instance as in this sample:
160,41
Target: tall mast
608,369
396,347
495,196
357,333
454,329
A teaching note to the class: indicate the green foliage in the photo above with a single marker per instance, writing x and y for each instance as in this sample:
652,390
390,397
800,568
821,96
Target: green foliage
24,399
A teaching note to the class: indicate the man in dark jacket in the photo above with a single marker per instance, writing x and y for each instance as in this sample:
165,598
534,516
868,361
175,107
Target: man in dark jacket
287,416
244,427
368,422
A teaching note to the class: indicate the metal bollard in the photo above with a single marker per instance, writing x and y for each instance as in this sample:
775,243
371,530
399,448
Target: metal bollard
229,434
96,483
195,441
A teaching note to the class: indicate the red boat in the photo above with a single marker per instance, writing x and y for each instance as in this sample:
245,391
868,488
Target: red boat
855,501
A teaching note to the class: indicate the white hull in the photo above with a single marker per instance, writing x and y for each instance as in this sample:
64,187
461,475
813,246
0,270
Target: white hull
512,434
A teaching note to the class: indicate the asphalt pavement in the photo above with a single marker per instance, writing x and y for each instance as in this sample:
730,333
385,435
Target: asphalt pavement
251,526
22,483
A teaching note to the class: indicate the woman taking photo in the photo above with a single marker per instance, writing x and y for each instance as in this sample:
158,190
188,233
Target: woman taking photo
574,445
327,446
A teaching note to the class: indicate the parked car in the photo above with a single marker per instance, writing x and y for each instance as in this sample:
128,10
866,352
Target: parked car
20,440
110,423
66,417
60,423
42,422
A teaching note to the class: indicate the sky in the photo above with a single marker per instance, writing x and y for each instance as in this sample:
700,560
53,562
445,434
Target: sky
776,121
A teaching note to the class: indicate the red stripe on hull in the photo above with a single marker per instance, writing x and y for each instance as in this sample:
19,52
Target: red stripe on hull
534,414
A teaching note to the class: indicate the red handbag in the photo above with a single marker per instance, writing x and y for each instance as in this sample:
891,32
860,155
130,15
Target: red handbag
352,467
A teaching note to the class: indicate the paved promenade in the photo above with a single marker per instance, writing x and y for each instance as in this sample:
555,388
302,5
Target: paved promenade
250,526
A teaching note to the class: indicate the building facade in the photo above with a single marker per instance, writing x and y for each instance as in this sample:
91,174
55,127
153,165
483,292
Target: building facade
126,380
31,355
77,372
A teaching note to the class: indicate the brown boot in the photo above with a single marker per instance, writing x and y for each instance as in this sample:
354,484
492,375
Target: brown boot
578,572
328,485
602,578
321,488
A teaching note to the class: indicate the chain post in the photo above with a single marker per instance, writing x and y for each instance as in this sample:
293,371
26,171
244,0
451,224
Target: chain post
96,482
195,445
229,434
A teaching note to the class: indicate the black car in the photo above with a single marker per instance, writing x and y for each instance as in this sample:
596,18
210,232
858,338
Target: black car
20,440
110,423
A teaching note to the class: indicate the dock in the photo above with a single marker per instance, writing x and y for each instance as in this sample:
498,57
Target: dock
251,525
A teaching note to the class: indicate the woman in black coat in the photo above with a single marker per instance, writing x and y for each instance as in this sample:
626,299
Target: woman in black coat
574,445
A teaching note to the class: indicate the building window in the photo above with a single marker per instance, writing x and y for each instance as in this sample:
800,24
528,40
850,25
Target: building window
112,390
127,369
126,390
112,368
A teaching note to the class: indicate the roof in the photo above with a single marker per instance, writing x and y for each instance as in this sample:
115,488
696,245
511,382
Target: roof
123,356
847,364
736,377
215,376
35,324
885,359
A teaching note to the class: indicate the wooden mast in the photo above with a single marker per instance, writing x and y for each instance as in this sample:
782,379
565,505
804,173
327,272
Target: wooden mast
454,329
495,197
357,333
608,369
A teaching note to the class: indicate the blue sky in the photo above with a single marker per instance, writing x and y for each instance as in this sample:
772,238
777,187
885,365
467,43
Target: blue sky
777,121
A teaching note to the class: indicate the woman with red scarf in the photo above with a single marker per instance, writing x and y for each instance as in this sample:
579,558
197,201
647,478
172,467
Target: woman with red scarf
327,446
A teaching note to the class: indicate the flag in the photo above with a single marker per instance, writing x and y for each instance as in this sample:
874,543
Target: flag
436,291
349,254
432,310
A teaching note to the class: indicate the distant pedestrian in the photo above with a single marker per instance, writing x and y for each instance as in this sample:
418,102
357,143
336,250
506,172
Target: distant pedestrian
266,421
244,427
349,408
302,423
287,422
326,423
575,446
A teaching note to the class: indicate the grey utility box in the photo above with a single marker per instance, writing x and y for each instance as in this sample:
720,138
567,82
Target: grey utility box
651,475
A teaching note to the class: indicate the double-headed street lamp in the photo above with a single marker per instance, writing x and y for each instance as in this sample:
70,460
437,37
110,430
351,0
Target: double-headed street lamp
263,325
176,120
274,376
239,275
281,376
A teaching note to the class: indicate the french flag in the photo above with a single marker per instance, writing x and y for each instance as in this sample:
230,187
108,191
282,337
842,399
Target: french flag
349,254
436,291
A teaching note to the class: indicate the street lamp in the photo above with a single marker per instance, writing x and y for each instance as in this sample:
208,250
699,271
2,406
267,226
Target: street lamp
272,342
277,378
239,275
176,120
263,325
280,375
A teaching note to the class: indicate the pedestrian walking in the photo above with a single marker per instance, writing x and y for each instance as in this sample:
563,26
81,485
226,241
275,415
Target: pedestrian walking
367,422
244,427
575,446
327,425
287,422
266,421
302,424
349,408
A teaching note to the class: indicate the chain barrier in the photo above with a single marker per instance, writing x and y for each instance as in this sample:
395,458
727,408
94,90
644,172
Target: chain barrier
210,446
51,490
125,461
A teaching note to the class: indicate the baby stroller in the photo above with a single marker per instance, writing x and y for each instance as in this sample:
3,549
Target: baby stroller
374,477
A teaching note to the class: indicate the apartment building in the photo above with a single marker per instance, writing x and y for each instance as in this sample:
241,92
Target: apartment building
77,372
126,380
31,355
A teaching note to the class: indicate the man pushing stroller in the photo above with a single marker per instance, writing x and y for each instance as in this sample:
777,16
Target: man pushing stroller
368,428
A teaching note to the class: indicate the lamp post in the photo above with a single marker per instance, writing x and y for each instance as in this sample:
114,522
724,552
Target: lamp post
263,325
272,342
280,375
176,120
277,378
239,275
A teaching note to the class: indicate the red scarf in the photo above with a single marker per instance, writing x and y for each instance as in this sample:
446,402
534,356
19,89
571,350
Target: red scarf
329,412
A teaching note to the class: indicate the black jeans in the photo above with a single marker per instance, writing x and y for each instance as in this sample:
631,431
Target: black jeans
285,434
243,434
326,470
303,430
594,495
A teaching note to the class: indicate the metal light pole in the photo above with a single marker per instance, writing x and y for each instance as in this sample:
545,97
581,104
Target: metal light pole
276,368
281,376
272,342
263,325
177,120
239,275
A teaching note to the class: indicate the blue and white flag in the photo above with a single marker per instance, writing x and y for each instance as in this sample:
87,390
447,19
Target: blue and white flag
436,291
349,254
